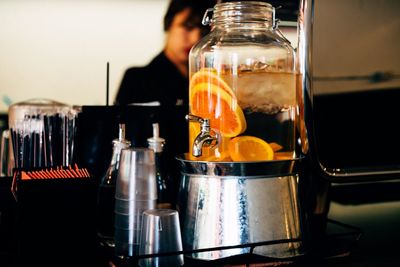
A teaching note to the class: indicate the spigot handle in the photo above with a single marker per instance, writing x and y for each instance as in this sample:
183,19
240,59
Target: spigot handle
206,137
205,123
191,117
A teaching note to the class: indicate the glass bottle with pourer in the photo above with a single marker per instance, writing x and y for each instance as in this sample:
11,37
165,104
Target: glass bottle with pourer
106,191
156,143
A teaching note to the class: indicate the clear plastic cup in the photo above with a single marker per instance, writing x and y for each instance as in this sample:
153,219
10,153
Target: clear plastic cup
126,242
135,192
136,175
132,206
160,233
127,222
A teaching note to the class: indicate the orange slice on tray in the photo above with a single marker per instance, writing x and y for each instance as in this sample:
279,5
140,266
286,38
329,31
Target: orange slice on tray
212,102
250,148
210,76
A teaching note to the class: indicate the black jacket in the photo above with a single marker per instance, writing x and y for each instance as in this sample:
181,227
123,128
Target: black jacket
158,81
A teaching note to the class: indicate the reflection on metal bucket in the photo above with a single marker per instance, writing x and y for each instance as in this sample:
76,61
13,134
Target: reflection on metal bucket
235,203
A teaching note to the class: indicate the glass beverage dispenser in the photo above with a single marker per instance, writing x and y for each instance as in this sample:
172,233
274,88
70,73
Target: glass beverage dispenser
240,178
242,92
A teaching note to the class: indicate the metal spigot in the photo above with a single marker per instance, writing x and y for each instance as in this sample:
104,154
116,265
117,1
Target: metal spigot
206,137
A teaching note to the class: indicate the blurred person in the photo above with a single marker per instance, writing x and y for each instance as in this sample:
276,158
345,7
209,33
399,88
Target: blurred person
165,79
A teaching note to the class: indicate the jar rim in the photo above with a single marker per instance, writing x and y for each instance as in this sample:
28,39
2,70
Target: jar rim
241,4
242,11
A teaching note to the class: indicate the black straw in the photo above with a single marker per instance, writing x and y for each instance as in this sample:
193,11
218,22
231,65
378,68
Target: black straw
107,83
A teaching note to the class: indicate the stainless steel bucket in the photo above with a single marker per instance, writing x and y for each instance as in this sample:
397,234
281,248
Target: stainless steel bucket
237,203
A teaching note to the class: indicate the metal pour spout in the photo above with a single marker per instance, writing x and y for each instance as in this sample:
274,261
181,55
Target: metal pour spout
206,137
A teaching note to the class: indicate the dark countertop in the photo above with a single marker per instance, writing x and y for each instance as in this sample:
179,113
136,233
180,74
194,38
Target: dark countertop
372,208
375,209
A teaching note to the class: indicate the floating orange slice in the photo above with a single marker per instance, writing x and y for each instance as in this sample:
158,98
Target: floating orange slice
250,148
275,146
210,76
210,101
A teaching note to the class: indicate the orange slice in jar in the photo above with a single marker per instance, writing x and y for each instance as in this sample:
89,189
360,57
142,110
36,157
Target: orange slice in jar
210,76
275,146
250,148
223,111
220,152
283,155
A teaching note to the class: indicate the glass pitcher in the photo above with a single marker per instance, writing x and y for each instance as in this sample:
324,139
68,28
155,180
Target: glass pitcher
242,92
42,133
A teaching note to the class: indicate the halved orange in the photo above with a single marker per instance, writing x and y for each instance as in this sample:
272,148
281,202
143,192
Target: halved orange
210,101
250,148
210,76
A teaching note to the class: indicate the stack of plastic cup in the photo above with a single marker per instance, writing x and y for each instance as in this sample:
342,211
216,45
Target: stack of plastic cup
135,192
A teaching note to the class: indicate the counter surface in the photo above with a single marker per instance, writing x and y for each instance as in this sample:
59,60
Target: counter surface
373,208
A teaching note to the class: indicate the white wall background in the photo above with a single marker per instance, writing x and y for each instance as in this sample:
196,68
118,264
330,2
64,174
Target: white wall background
59,49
